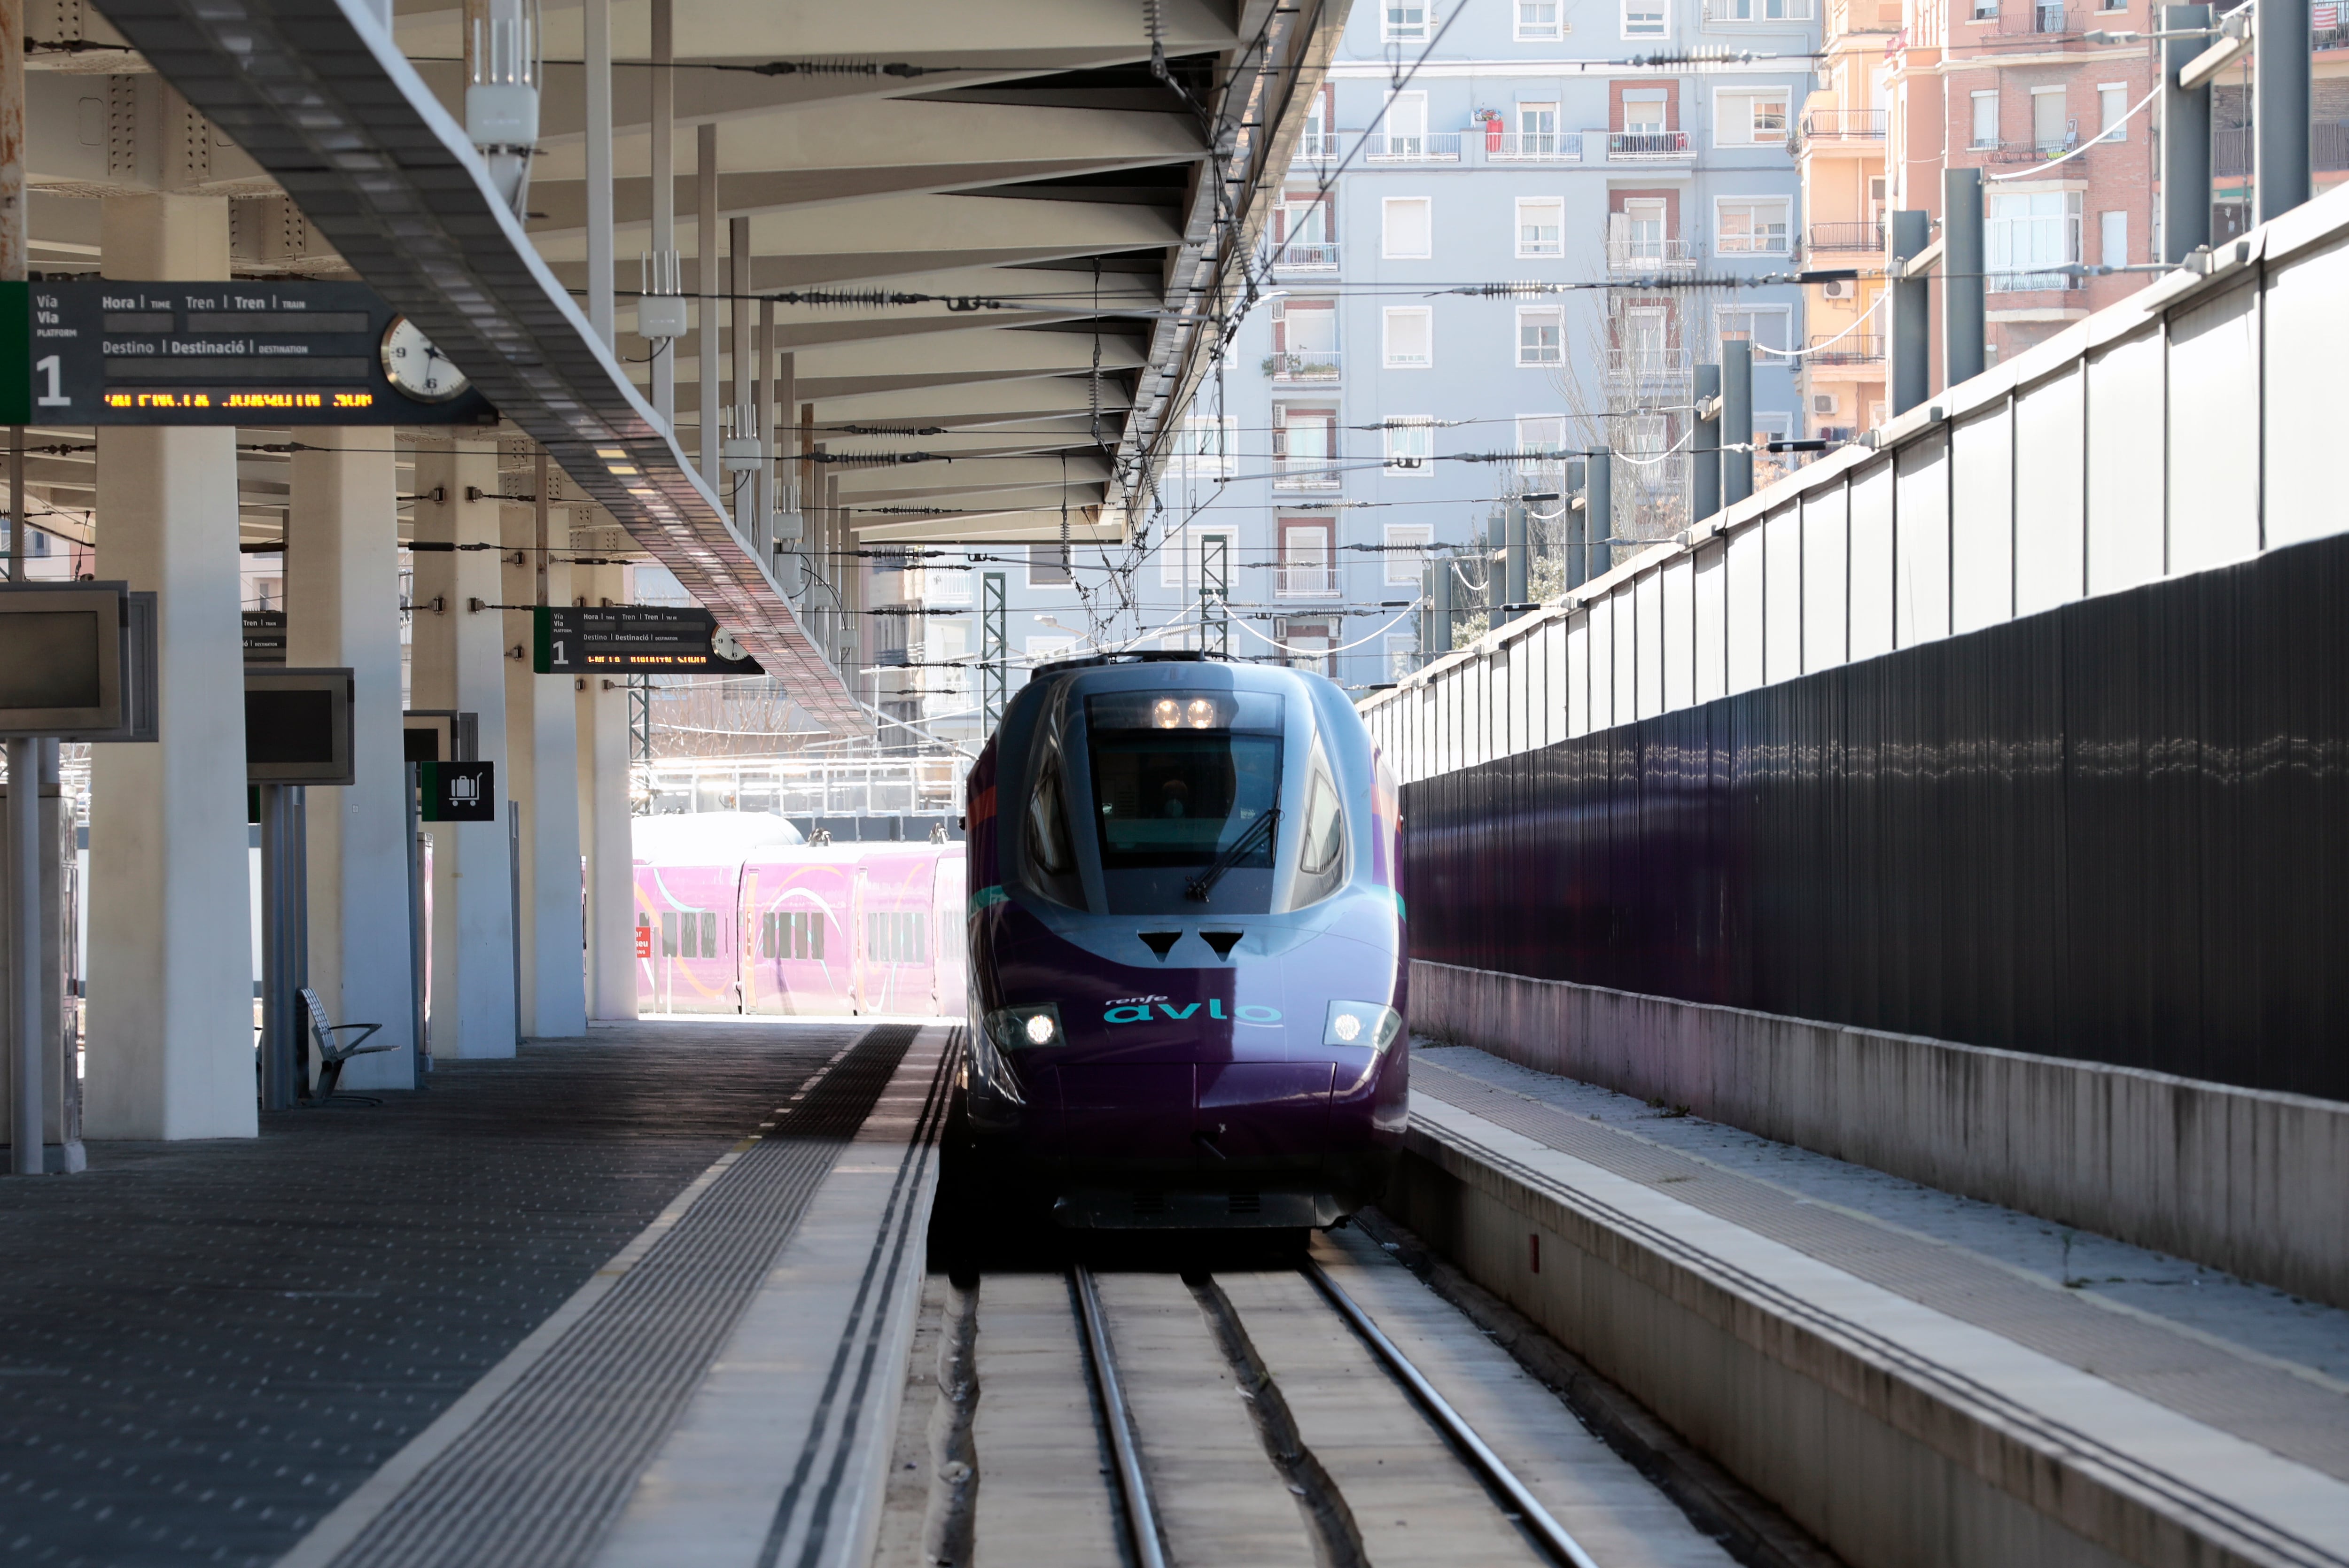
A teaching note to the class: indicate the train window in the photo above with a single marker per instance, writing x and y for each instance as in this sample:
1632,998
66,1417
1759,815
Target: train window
1177,798
1325,829
668,938
710,934
815,923
1048,832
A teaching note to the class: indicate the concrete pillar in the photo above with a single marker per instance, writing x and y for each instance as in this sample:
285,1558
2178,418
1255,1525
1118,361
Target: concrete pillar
1908,372
1704,449
1736,421
2282,72
456,660
606,828
542,780
706,282
171,958
1964,253
342,599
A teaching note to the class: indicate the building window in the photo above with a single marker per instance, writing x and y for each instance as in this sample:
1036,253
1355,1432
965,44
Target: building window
1540,337
1403,21
1643,113
1402,128
2023,229
1537,134
1304,230
1204,446
2113,233
1985,120
1986,10
2051,130
1049,567
1764,326
945,580
1410,333
1750,119
1541,435
1758,10
1406,228
1747,226
1304,340
1406,552
1644,19
1402,653
1541,226
1306,645
1411,444
1304,445
1536,20
1309,558
2112,110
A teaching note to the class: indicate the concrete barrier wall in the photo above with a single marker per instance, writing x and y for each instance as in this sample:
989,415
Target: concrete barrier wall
2252,1181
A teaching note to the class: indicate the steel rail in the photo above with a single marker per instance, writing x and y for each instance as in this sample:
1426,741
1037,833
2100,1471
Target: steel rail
1141,1521
1549,1531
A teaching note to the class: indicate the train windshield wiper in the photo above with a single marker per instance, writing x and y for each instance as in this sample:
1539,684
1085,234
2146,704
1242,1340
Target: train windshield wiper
1200,886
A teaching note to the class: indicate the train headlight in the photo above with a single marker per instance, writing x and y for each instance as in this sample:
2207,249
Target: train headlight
1361,1023
1026,1028
1165,714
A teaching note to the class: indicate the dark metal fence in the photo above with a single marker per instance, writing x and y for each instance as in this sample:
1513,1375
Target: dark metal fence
2118,832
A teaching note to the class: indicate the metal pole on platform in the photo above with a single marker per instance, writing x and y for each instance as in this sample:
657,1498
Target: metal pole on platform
419,941
1736,420
1598,512
1964,329
2185,136
2282,65
994,654
1439,638
664,195
276,1042
1514,587
24,890
1912,329
1704,446
705,277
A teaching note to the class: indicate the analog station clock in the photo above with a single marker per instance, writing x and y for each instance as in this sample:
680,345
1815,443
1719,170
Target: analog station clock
416,368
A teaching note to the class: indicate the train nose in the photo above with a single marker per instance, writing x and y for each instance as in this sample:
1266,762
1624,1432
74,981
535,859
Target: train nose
1189,1114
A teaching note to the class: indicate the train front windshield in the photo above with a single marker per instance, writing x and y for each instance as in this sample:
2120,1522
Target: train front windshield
1180,778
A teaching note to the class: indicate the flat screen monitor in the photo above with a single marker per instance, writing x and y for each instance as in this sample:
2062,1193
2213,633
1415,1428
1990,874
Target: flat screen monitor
298,726
61,652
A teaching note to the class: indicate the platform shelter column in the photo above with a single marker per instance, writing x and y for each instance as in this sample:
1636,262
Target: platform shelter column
606,825
542,749
170,948
342,609
457,660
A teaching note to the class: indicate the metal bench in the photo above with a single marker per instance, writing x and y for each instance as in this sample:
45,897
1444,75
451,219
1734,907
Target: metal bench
332,1054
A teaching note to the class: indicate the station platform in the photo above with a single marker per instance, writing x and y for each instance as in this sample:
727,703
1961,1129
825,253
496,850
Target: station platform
1915,1377
213,1346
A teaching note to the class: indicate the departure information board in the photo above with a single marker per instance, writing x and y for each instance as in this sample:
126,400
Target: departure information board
636,639
275,352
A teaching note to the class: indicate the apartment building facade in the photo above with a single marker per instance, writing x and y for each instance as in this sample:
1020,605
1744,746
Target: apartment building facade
1393,389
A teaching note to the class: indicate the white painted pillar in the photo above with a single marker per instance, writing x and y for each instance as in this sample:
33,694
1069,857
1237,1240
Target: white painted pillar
542,754
606,827
457,660
170,1051
342,607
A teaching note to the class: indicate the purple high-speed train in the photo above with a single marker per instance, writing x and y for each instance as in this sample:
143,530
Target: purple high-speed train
1186,946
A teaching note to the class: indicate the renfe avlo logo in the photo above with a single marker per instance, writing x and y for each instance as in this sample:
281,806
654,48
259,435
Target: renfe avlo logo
1138,1012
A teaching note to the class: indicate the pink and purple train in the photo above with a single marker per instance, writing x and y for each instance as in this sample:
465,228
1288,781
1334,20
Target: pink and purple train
1186,946
791,928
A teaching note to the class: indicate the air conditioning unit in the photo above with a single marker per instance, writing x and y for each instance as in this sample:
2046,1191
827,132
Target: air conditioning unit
1838,288
1823,402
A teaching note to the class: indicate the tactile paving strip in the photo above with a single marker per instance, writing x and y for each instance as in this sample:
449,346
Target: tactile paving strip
2258,1402
540,1477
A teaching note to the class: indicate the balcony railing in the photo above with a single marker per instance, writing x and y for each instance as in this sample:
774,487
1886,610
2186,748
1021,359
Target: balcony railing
1844,125
1306,581
2038,150
1653,255
1847,237
1648,364
1533,147
1302,365
1646,146
1440,147
2035,282
1859,348
1298,256
1317,146
1304,473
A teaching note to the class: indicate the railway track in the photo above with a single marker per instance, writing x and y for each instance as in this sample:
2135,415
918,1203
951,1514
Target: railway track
1250,1415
